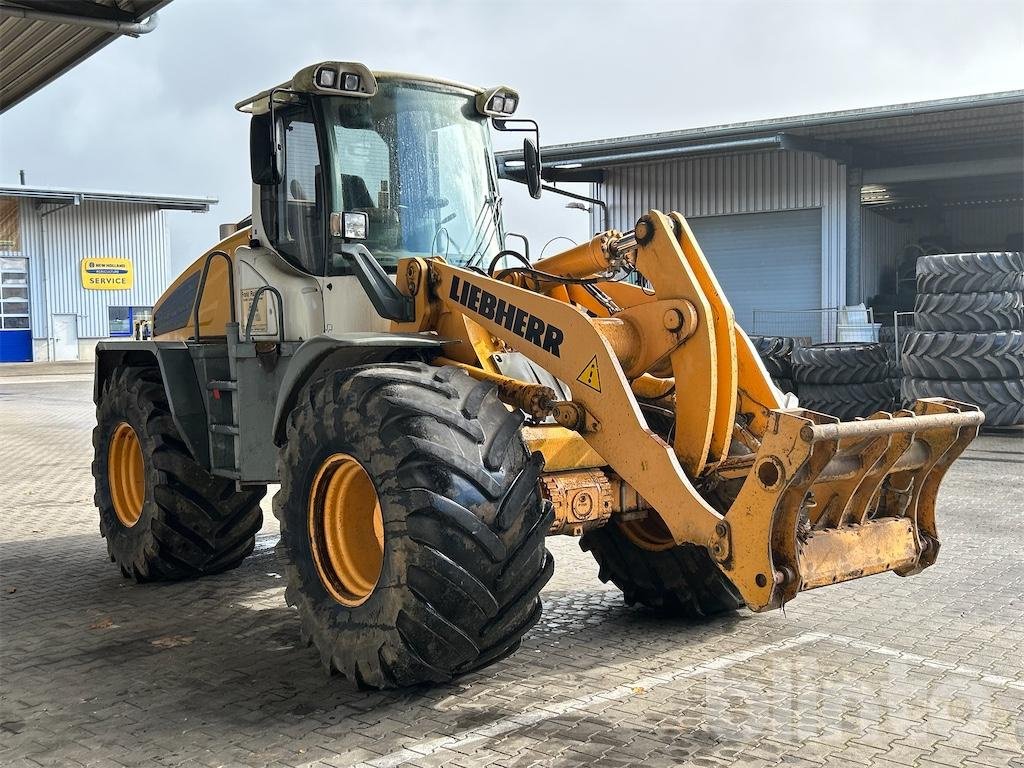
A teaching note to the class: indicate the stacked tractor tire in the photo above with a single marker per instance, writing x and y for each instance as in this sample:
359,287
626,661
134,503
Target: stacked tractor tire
776,353
968,344
846,379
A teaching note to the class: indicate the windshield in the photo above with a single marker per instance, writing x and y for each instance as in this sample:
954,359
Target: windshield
417,159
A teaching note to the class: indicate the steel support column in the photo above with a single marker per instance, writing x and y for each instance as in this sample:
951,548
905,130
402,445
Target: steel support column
854,181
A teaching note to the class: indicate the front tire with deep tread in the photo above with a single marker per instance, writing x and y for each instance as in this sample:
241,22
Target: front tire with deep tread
192,523
676,581
464,523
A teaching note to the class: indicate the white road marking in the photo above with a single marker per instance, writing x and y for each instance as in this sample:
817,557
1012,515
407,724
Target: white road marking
966,670
56,378
462,739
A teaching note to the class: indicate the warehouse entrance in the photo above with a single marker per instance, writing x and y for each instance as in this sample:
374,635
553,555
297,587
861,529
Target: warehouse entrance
765,261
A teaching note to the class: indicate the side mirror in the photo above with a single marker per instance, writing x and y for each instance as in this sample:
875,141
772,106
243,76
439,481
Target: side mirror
265,158
531,165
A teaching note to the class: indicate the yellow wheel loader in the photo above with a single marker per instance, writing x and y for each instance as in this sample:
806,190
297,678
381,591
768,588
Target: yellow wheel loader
434,404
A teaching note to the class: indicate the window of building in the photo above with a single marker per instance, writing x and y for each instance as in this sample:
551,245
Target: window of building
120,321
13,294
136,322
10,225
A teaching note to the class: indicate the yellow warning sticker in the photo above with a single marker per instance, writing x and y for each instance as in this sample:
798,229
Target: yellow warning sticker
590,375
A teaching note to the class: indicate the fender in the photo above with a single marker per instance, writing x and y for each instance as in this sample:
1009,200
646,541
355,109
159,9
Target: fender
345,351
184,396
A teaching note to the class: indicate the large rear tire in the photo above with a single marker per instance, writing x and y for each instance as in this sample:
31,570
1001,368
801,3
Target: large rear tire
446,578
163,515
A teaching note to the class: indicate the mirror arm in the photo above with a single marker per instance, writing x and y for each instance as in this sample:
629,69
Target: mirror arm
583,198
387,300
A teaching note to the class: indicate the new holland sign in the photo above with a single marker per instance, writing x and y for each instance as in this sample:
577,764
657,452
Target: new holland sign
107,274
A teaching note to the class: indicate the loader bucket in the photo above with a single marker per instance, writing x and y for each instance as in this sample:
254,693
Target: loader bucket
828,501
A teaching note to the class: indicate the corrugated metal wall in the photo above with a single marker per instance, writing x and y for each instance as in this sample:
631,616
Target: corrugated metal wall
882,242
983,228
125,230
747,183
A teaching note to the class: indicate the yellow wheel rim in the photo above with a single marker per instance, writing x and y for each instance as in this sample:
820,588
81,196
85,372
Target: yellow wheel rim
346,530
126,474
649,533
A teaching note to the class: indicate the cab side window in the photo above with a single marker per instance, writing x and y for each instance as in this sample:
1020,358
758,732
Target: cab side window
300,200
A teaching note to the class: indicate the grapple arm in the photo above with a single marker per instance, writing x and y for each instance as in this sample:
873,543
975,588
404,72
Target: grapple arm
820,501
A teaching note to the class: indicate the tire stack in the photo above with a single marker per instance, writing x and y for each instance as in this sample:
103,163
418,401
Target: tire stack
846,379
776,354
969,344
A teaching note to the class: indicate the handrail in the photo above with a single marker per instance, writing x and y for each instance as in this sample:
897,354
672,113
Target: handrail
252,311
202,288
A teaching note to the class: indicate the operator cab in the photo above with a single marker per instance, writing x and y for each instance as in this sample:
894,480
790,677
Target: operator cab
397,164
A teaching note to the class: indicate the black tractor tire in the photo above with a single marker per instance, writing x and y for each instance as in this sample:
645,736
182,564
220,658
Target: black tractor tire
970,273
896,386
848,401
894,365
192,523
969,312
775,352
886,334
679,581
839,363
786,385
965,356
1002,400
463,519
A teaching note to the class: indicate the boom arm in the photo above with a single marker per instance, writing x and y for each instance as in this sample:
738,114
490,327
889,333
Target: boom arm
821,501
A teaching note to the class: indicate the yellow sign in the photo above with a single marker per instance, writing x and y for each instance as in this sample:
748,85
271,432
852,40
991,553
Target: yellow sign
107,274
590,375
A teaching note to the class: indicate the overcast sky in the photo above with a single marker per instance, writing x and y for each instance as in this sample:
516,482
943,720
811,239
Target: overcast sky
155,114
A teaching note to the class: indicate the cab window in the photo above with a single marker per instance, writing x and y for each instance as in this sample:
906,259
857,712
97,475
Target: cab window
299,205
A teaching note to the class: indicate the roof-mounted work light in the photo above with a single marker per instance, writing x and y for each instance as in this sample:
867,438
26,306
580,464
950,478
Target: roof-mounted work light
336,77
497,102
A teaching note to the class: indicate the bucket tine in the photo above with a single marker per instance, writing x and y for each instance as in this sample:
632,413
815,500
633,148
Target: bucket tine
865,501
862,454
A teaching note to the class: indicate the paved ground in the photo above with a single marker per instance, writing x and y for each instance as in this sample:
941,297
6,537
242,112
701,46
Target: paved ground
94,670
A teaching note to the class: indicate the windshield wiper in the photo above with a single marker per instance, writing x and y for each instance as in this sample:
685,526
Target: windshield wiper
487,226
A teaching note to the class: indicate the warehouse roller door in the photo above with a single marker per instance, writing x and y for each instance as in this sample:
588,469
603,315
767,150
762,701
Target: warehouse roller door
766,261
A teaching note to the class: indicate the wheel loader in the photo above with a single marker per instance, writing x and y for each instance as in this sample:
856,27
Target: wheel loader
434,404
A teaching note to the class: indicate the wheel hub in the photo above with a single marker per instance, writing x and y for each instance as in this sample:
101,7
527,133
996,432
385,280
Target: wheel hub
346,529
649,533
126,474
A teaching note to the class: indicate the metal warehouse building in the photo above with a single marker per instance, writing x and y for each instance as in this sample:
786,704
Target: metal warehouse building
816,211
77,266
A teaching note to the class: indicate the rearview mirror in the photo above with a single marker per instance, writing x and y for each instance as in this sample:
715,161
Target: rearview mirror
531,166
265,157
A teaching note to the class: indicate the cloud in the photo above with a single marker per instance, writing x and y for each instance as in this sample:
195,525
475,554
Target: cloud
155,113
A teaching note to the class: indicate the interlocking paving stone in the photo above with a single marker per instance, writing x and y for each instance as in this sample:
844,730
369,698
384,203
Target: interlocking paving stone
98,671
